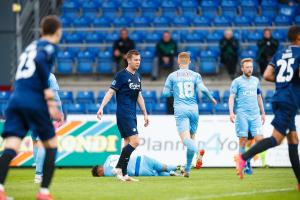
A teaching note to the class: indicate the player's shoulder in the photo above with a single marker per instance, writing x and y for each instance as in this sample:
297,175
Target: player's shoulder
254,78
238,79
46,46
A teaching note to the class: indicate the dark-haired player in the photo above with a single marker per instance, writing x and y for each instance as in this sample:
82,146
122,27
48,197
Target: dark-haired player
127,87
284,71
32,104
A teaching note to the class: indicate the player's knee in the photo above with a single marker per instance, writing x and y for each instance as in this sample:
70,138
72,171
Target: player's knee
51,143
135,142
293,138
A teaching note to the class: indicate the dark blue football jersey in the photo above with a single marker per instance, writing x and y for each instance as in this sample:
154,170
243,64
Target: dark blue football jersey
286,64
127,87
32,75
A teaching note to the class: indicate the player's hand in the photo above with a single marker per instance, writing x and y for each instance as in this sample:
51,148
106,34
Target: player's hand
146,120
214,101
53,110
263,119
232,117
100,113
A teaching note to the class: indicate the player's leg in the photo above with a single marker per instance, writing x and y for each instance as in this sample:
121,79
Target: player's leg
293,142
15,128
39,157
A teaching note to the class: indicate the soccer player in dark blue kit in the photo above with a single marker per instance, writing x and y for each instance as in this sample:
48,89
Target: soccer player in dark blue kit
284,71
32,104
127,87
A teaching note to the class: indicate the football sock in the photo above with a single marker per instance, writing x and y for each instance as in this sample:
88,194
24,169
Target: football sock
39,159
294,158
241,151
44,191
191,150
259,147
124,158
49,166
7,156
1,187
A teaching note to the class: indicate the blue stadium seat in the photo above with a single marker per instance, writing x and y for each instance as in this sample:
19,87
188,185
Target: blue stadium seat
77,108
148,61
222,109
214,37
109,9
149,96
66,97
189,8
93,108
142,21
73,37
129,8
297,19
252,36
209,8
85,62
193,50
94,51
242,21
66,21
111,107
176,35
222,21
73,51
282,20
105,63
205,108
201,21
248,54
94,37
4,96
64,63
149,8
70,9
249,8
286,10
209,66
159,108
111,37
269,8
85,97
269,95
90,9
226,95
100,96
192,37
102,22
268,108
214,93
161,21
82,22
136,36
169,8
262,21
280,35
181,21
122,21
152,37
229,8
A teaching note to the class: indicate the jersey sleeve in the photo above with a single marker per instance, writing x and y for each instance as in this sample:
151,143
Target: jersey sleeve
259,91
53,82
117,82
50,50
42,69
167,91
273,61
233,87
201,87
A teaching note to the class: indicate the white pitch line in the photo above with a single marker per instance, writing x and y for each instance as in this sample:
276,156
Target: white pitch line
235,194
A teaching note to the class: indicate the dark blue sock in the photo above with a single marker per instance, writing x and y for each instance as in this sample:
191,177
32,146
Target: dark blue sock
294,158
49,167
124,158
259,147
7,156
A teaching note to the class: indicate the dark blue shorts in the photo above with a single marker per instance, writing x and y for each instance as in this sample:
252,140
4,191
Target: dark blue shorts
20,120
127,126
284,120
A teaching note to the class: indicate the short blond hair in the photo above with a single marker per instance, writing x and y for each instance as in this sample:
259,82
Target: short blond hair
184,58
246,60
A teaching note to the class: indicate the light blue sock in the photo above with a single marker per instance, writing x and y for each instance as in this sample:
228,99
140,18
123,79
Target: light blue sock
39,160
242,150
35,151
191,150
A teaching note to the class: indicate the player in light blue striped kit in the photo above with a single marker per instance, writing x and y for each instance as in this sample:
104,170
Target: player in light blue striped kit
185,85
249,114
38,149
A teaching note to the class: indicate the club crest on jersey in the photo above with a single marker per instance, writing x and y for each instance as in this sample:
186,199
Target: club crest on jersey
114,82
134,86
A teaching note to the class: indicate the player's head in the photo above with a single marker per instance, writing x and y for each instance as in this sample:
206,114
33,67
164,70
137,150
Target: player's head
97,171
267,33
134,59
228,34
184,59
51,28
247,66
294,35
124,34
166,36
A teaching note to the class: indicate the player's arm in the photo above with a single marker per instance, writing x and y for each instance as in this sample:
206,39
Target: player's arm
141,103
261,108
230,106
269,74
109,94
167,91
203,89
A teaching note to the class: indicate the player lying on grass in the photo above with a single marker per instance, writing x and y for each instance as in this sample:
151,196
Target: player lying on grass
137,166
38,149
246,107
184,85
284,71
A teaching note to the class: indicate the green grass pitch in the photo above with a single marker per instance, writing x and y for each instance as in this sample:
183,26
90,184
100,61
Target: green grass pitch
207,183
